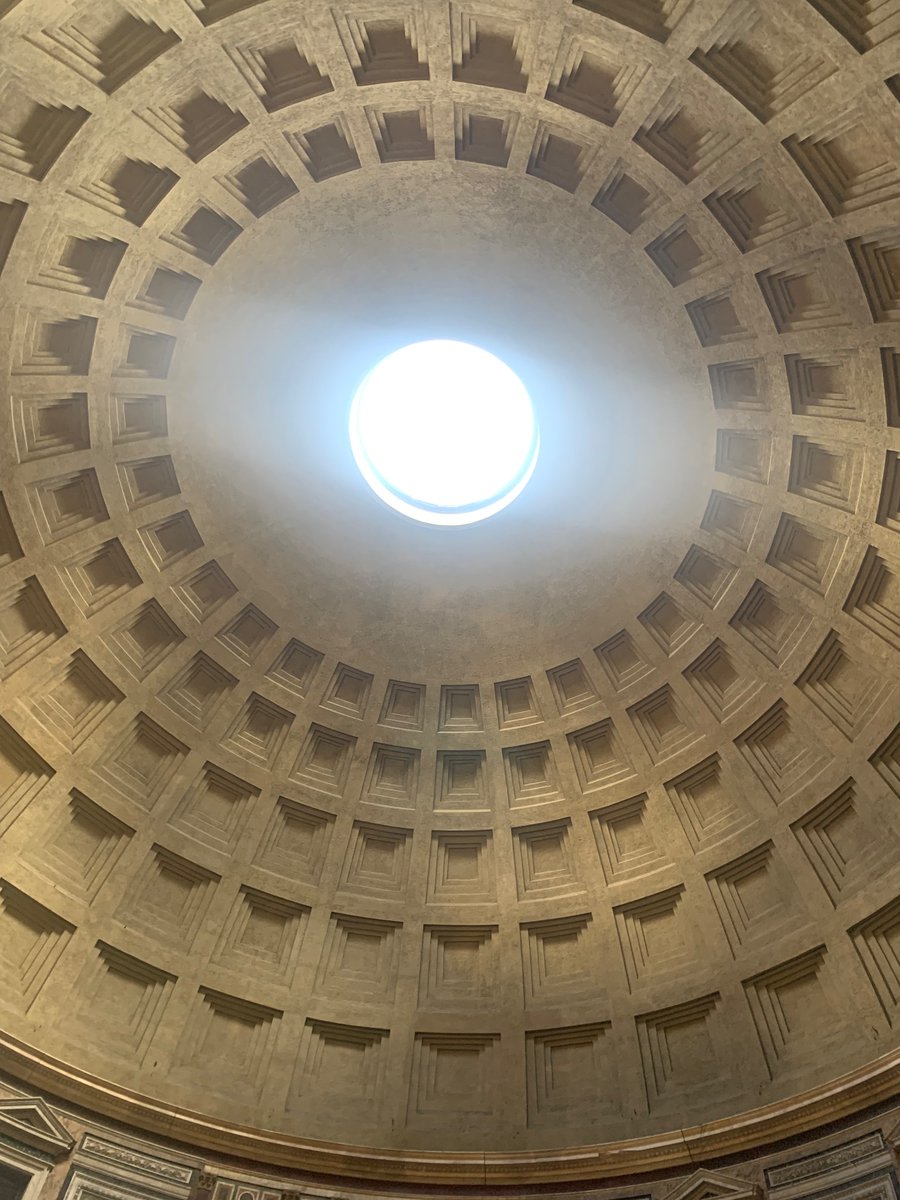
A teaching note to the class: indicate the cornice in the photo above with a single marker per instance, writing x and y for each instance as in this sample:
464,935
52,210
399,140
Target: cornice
844,1096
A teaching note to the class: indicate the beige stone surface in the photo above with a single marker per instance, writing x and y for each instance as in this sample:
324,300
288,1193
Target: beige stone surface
576,827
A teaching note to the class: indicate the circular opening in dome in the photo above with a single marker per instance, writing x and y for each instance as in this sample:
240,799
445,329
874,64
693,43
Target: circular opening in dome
444,432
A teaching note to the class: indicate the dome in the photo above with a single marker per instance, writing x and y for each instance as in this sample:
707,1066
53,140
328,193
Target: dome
565,841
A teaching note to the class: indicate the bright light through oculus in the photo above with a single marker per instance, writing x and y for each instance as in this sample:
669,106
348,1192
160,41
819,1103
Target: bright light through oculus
444,432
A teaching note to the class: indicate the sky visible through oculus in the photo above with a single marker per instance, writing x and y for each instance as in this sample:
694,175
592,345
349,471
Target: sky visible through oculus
444,432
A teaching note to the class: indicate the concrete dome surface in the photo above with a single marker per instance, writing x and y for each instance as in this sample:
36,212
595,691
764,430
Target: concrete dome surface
568,840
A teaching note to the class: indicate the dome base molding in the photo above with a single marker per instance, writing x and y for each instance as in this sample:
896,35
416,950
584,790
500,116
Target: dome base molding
855,1092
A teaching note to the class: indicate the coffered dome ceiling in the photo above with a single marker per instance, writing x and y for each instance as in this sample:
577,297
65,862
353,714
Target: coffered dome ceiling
323,830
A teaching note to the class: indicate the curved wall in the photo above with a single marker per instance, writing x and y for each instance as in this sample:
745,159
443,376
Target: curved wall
548,835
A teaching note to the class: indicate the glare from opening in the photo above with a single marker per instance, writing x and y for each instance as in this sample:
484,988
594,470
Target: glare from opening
444,432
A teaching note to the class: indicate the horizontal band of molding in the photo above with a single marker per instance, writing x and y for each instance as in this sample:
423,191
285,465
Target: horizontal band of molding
843,1097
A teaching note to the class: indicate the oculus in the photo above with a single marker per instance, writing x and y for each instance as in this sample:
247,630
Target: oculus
444,432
